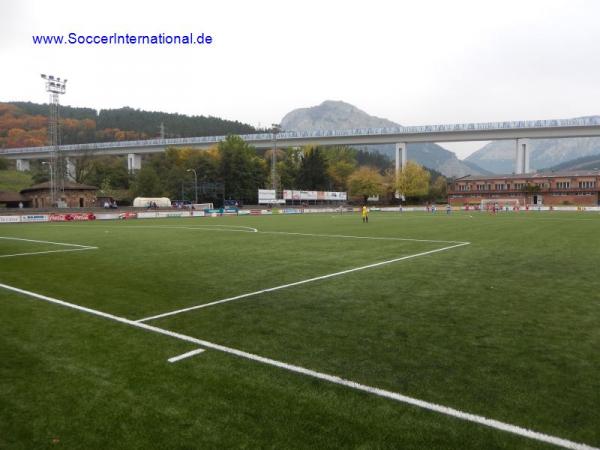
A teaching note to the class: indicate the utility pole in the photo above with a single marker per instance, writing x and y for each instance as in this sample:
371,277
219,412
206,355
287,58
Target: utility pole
45,163
195,182
276,130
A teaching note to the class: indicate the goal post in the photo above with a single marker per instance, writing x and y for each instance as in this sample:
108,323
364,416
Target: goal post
500,203
202,206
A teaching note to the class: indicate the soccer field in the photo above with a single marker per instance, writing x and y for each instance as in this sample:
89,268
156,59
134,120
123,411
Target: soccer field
415,330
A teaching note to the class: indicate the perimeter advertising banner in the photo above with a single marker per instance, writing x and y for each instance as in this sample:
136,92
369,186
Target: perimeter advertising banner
10,219
268,197
35,218
70,217
314,195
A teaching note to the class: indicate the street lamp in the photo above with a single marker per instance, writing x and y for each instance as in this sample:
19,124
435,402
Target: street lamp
45,163
195,182
276,129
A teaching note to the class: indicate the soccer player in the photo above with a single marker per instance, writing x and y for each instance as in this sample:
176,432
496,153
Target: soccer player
365,214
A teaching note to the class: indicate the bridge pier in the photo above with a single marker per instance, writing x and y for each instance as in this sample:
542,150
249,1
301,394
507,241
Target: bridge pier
522,156
400,163
71,170
134,162
400,157
23,165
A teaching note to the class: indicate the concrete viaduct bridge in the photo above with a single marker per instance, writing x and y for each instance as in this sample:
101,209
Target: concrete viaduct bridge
520,132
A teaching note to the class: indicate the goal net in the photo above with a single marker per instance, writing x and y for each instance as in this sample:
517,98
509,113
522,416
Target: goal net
500,203
202,206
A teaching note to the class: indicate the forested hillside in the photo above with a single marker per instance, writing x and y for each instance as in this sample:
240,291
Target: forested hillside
24,124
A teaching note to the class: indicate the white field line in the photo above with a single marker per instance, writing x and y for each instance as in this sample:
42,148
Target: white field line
45,242
233,228
255,230
49,251
481,420
238,228
78,249
297,283
374,238
549,219
186,355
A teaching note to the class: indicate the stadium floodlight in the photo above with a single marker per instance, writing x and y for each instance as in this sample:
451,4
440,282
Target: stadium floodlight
55,87
276,130
195,182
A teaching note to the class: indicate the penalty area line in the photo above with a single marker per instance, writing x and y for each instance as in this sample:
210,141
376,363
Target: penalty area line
46,242
78,248
298,283
214,227
441,409
49,251
371,238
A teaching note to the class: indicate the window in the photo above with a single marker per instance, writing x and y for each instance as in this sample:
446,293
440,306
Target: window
563,184
587,184
500,187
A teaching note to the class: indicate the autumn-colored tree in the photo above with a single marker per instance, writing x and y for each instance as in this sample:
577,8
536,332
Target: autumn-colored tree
365,182
339,172
413,180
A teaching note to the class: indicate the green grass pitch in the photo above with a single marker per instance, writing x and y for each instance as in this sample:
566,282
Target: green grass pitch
506,327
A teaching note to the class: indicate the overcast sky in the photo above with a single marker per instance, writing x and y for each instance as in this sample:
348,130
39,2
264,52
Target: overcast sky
413,62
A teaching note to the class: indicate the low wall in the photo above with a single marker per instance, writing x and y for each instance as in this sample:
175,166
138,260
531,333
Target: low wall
127,215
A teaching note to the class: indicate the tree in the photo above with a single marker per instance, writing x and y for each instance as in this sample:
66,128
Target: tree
96,169
147,183
242,171
413,180
365,182
312,173
373,159
438,189
341,162
339,173
289,167
205,163
279,157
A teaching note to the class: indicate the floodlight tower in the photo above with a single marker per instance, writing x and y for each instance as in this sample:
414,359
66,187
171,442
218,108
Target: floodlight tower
276,130
55,87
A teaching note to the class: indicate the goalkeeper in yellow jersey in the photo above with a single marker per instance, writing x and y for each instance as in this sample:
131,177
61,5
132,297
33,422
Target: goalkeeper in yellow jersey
365,214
